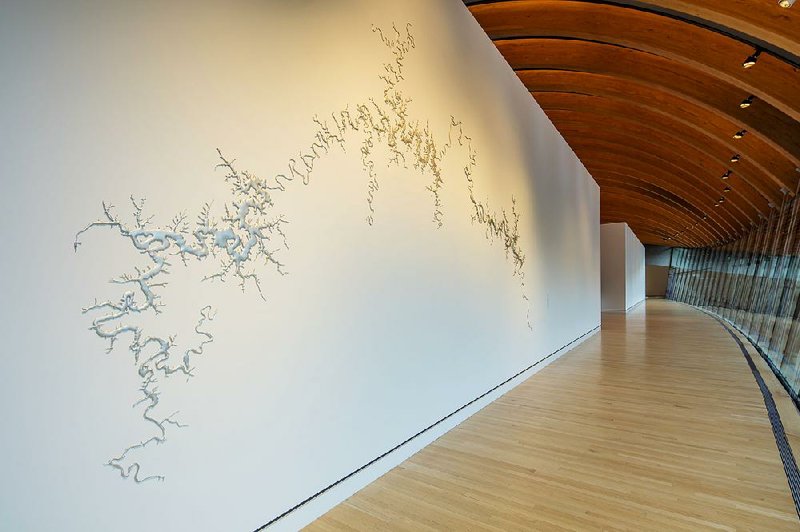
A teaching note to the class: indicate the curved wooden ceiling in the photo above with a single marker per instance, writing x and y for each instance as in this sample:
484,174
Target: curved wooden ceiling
648,93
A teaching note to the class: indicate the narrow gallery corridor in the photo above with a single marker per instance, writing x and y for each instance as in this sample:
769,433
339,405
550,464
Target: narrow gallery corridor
418,265
656,423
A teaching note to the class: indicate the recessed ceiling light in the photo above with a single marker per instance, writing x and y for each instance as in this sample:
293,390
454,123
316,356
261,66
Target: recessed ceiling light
786,3
740,134
726,175
726,190
747,102
735,158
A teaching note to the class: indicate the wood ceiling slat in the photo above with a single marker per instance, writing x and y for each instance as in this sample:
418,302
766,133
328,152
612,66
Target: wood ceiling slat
698,228
655,99
654,71
722,221
677,220
575,125
654,215
764,20
638,157
648,95
646,233
720,56
610,179
660,231
722,141
604,163
748,21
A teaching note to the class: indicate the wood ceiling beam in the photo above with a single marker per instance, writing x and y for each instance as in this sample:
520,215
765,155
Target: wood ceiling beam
776,164
654,162
667,219
725,219
720,144
640,220
657,73
762,24
629,184
578,126
782,134
515,25
647,94
646,233
716,220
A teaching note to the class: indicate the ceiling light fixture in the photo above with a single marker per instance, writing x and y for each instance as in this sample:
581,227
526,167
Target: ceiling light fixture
726,190
747,102
752,59
786,3
735,158
740,134
726,175
722,200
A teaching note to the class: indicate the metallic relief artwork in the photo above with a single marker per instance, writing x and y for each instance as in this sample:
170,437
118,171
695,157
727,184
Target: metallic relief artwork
249,232
239,240
409,142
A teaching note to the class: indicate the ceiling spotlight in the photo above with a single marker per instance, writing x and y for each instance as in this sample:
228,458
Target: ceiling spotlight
722,200
751,59
747,102
740,134
716,205
786,3
735,158
726,190
705,217
726,175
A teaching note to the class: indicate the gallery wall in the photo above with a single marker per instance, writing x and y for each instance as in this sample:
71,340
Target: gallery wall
622,268
634,269
390,229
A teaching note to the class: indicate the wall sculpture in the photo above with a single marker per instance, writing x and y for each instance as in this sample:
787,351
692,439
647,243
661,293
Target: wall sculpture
246,236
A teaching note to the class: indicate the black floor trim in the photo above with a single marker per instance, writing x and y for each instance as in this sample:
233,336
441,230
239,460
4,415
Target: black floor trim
771,364
784,449
432,425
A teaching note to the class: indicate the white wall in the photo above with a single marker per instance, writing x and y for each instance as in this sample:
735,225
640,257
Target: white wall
622,268
634,269
612,266
375,333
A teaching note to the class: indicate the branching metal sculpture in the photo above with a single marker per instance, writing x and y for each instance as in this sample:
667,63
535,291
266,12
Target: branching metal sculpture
387,121
249,233
239,240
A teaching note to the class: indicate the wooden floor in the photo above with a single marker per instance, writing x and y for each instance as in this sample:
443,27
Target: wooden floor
654,424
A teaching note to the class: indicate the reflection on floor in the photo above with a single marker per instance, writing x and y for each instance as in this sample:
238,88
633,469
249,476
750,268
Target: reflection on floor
654,424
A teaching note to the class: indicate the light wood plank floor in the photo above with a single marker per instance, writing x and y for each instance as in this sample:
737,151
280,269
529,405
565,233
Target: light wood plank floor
654,424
